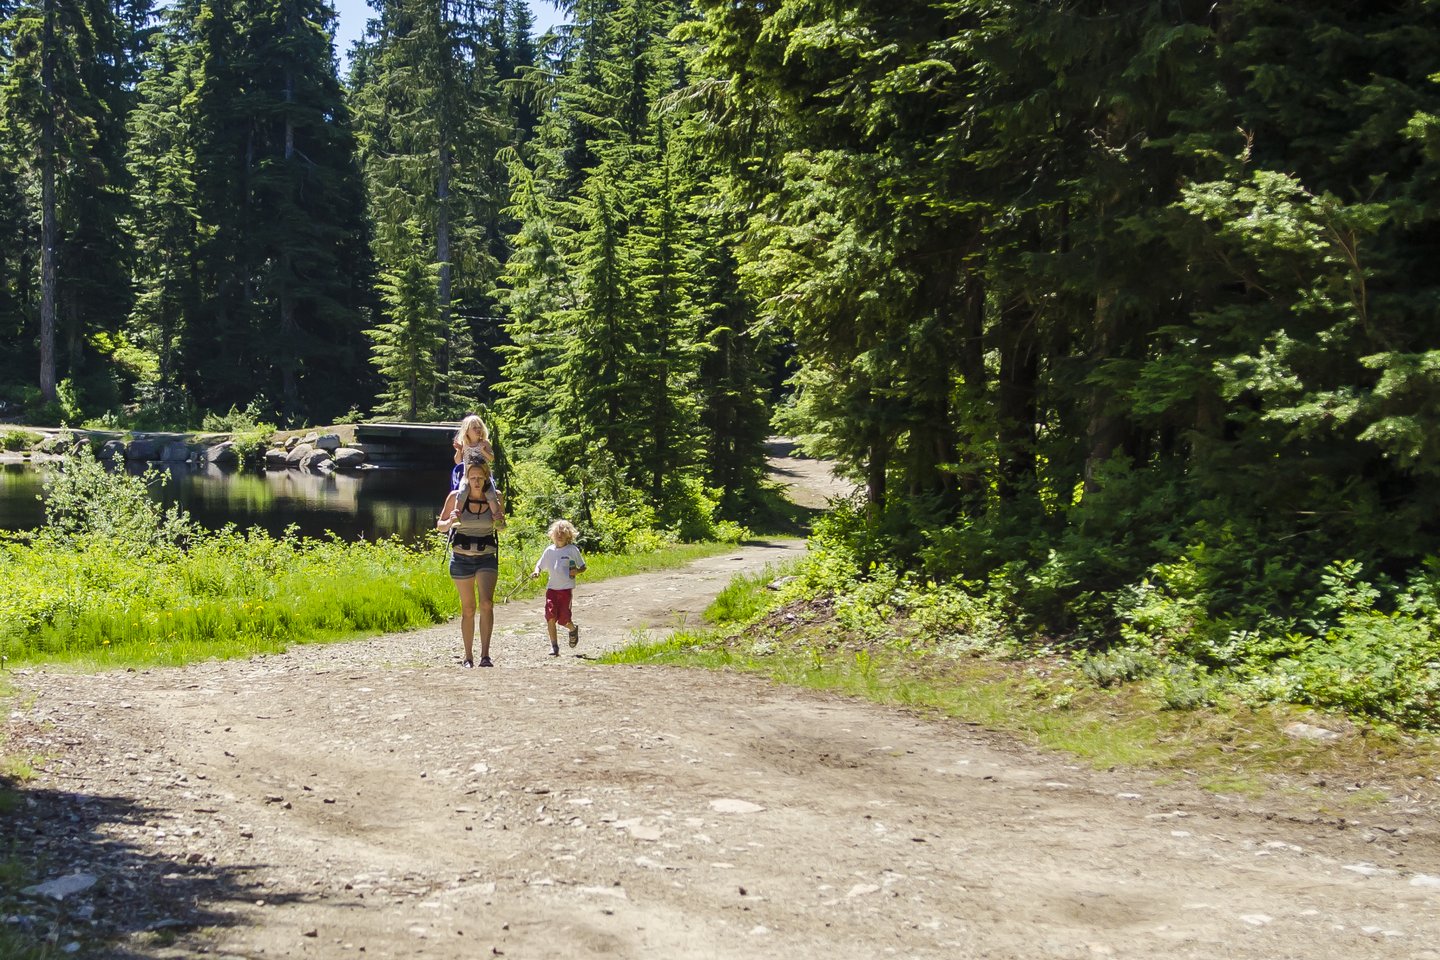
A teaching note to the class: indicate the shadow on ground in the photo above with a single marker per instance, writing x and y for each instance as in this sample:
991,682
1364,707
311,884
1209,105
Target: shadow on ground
138,900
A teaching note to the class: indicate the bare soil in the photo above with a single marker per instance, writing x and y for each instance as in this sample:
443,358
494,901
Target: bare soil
376,799
807,482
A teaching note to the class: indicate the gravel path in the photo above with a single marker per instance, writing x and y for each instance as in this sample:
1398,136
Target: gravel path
374,799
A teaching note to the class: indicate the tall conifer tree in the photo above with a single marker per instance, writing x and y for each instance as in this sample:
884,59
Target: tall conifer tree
432,123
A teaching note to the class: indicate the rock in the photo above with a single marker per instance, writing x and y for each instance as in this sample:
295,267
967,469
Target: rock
316,461
61,887
328,441
291,443
142,448
58,443
174,452
726,805
348,458
275,457
1305,731
298,453
779,582
617,893
224,454
639,830
310,438
113,450
1367,869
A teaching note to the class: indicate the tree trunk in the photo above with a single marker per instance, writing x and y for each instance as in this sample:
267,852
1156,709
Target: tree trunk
1016,403
289,387
971,364
1104,430
442,257
930,359
47,210
877,466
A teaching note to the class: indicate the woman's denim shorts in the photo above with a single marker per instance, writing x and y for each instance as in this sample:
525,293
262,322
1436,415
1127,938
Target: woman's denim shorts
463,566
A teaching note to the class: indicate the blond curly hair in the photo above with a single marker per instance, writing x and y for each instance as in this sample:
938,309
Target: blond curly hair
563,531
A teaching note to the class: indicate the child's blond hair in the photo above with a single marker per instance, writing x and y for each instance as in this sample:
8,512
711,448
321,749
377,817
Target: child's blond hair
564,531
462,435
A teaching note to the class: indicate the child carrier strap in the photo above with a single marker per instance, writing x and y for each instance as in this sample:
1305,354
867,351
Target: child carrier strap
467,541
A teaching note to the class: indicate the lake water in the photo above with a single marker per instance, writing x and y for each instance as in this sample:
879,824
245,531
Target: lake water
369,504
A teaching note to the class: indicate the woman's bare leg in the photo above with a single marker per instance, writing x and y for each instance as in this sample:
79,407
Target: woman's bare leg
485,587
466,589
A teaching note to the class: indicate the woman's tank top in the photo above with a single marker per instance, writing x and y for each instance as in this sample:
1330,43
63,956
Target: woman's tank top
474,526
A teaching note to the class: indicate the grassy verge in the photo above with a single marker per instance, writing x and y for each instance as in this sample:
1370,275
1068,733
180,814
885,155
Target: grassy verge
1051,703
91,606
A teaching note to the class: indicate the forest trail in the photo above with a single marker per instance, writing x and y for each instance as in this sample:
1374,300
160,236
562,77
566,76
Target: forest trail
373,799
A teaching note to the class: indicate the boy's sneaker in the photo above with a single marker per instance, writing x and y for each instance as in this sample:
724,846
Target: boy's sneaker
485,662
574,633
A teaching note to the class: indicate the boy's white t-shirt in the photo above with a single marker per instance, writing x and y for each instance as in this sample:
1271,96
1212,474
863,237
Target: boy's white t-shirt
556,561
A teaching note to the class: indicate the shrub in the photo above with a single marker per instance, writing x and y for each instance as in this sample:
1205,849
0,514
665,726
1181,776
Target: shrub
85,501
1185,686
236,420
18,439
1119,666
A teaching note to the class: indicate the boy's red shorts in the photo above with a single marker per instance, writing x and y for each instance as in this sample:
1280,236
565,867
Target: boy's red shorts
557,605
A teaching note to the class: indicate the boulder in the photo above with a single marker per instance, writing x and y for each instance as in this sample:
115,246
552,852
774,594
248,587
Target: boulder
310,438
142,448
291,442
113,450
224,454
348,458
57,443
275,457
175,452
298,453
318,461
328,441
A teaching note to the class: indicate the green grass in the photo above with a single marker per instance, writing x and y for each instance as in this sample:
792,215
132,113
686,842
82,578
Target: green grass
15,947
234,595
747,596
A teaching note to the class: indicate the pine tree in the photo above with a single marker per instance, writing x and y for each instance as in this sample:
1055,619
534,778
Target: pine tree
64,103
407,344
165,225
254,279
431,127
605,370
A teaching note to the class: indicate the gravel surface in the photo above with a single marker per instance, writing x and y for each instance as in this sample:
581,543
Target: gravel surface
376,799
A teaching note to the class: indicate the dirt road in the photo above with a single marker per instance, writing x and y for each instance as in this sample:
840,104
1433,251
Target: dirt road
373,799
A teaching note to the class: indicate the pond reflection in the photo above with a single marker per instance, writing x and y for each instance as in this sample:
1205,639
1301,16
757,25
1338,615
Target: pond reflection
370,504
